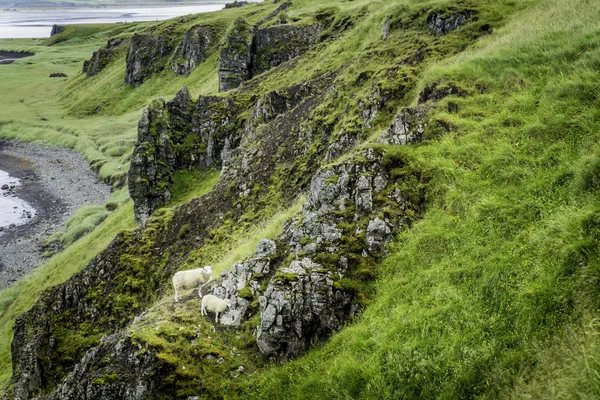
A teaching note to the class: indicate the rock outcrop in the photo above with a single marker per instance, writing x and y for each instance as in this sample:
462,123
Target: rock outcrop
440,25
145,56
277,44
337,235
235,57
115,369
304,282
103,56
236,4
192,50
249,51
152,163
181,133
408,127
56,29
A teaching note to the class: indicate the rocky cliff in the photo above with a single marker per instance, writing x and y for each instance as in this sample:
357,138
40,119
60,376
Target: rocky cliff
145,56
235,56
193,49
103,56
248,51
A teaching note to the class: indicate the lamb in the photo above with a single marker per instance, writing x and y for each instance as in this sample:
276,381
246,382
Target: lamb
214,304
190,279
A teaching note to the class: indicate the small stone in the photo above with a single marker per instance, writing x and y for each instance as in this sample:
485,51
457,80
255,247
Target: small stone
220,361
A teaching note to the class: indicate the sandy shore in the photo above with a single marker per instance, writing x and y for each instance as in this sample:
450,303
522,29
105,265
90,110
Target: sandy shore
56,182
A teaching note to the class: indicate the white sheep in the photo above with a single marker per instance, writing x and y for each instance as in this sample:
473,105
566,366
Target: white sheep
190,279
214,304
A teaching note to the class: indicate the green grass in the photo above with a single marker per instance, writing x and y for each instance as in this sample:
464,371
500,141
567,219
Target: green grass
188,184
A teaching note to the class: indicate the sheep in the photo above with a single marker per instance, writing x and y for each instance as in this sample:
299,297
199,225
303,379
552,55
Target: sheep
190,279
214,304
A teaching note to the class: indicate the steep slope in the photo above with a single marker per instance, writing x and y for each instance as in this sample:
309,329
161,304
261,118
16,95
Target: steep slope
480,166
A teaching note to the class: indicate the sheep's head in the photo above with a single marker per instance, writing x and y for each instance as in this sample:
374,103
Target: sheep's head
208,269
228,302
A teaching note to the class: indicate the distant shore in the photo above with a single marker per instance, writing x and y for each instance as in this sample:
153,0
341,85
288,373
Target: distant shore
37,22
56,182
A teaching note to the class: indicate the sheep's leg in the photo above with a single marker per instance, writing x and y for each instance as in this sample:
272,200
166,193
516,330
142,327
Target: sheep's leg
216,317
203,310
176,294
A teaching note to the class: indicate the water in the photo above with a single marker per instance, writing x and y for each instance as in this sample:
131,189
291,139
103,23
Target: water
13,210
38,23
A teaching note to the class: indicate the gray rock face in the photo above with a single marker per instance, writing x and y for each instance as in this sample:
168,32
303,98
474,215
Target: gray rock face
241,284
439,26
152,163
277,44
378,235
299,307
235,57
304,301
129,376
408,127
34,345
341,145
192,50
102,57
145,57
247,51
275,103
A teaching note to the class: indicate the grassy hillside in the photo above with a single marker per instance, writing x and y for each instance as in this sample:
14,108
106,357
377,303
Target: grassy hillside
494,294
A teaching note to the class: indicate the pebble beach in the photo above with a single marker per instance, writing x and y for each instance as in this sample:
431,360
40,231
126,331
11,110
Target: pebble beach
43,187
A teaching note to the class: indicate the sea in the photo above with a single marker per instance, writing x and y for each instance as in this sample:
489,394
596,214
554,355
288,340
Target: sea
23,23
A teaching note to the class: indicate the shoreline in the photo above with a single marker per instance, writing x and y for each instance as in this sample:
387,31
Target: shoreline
56,182
58,6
